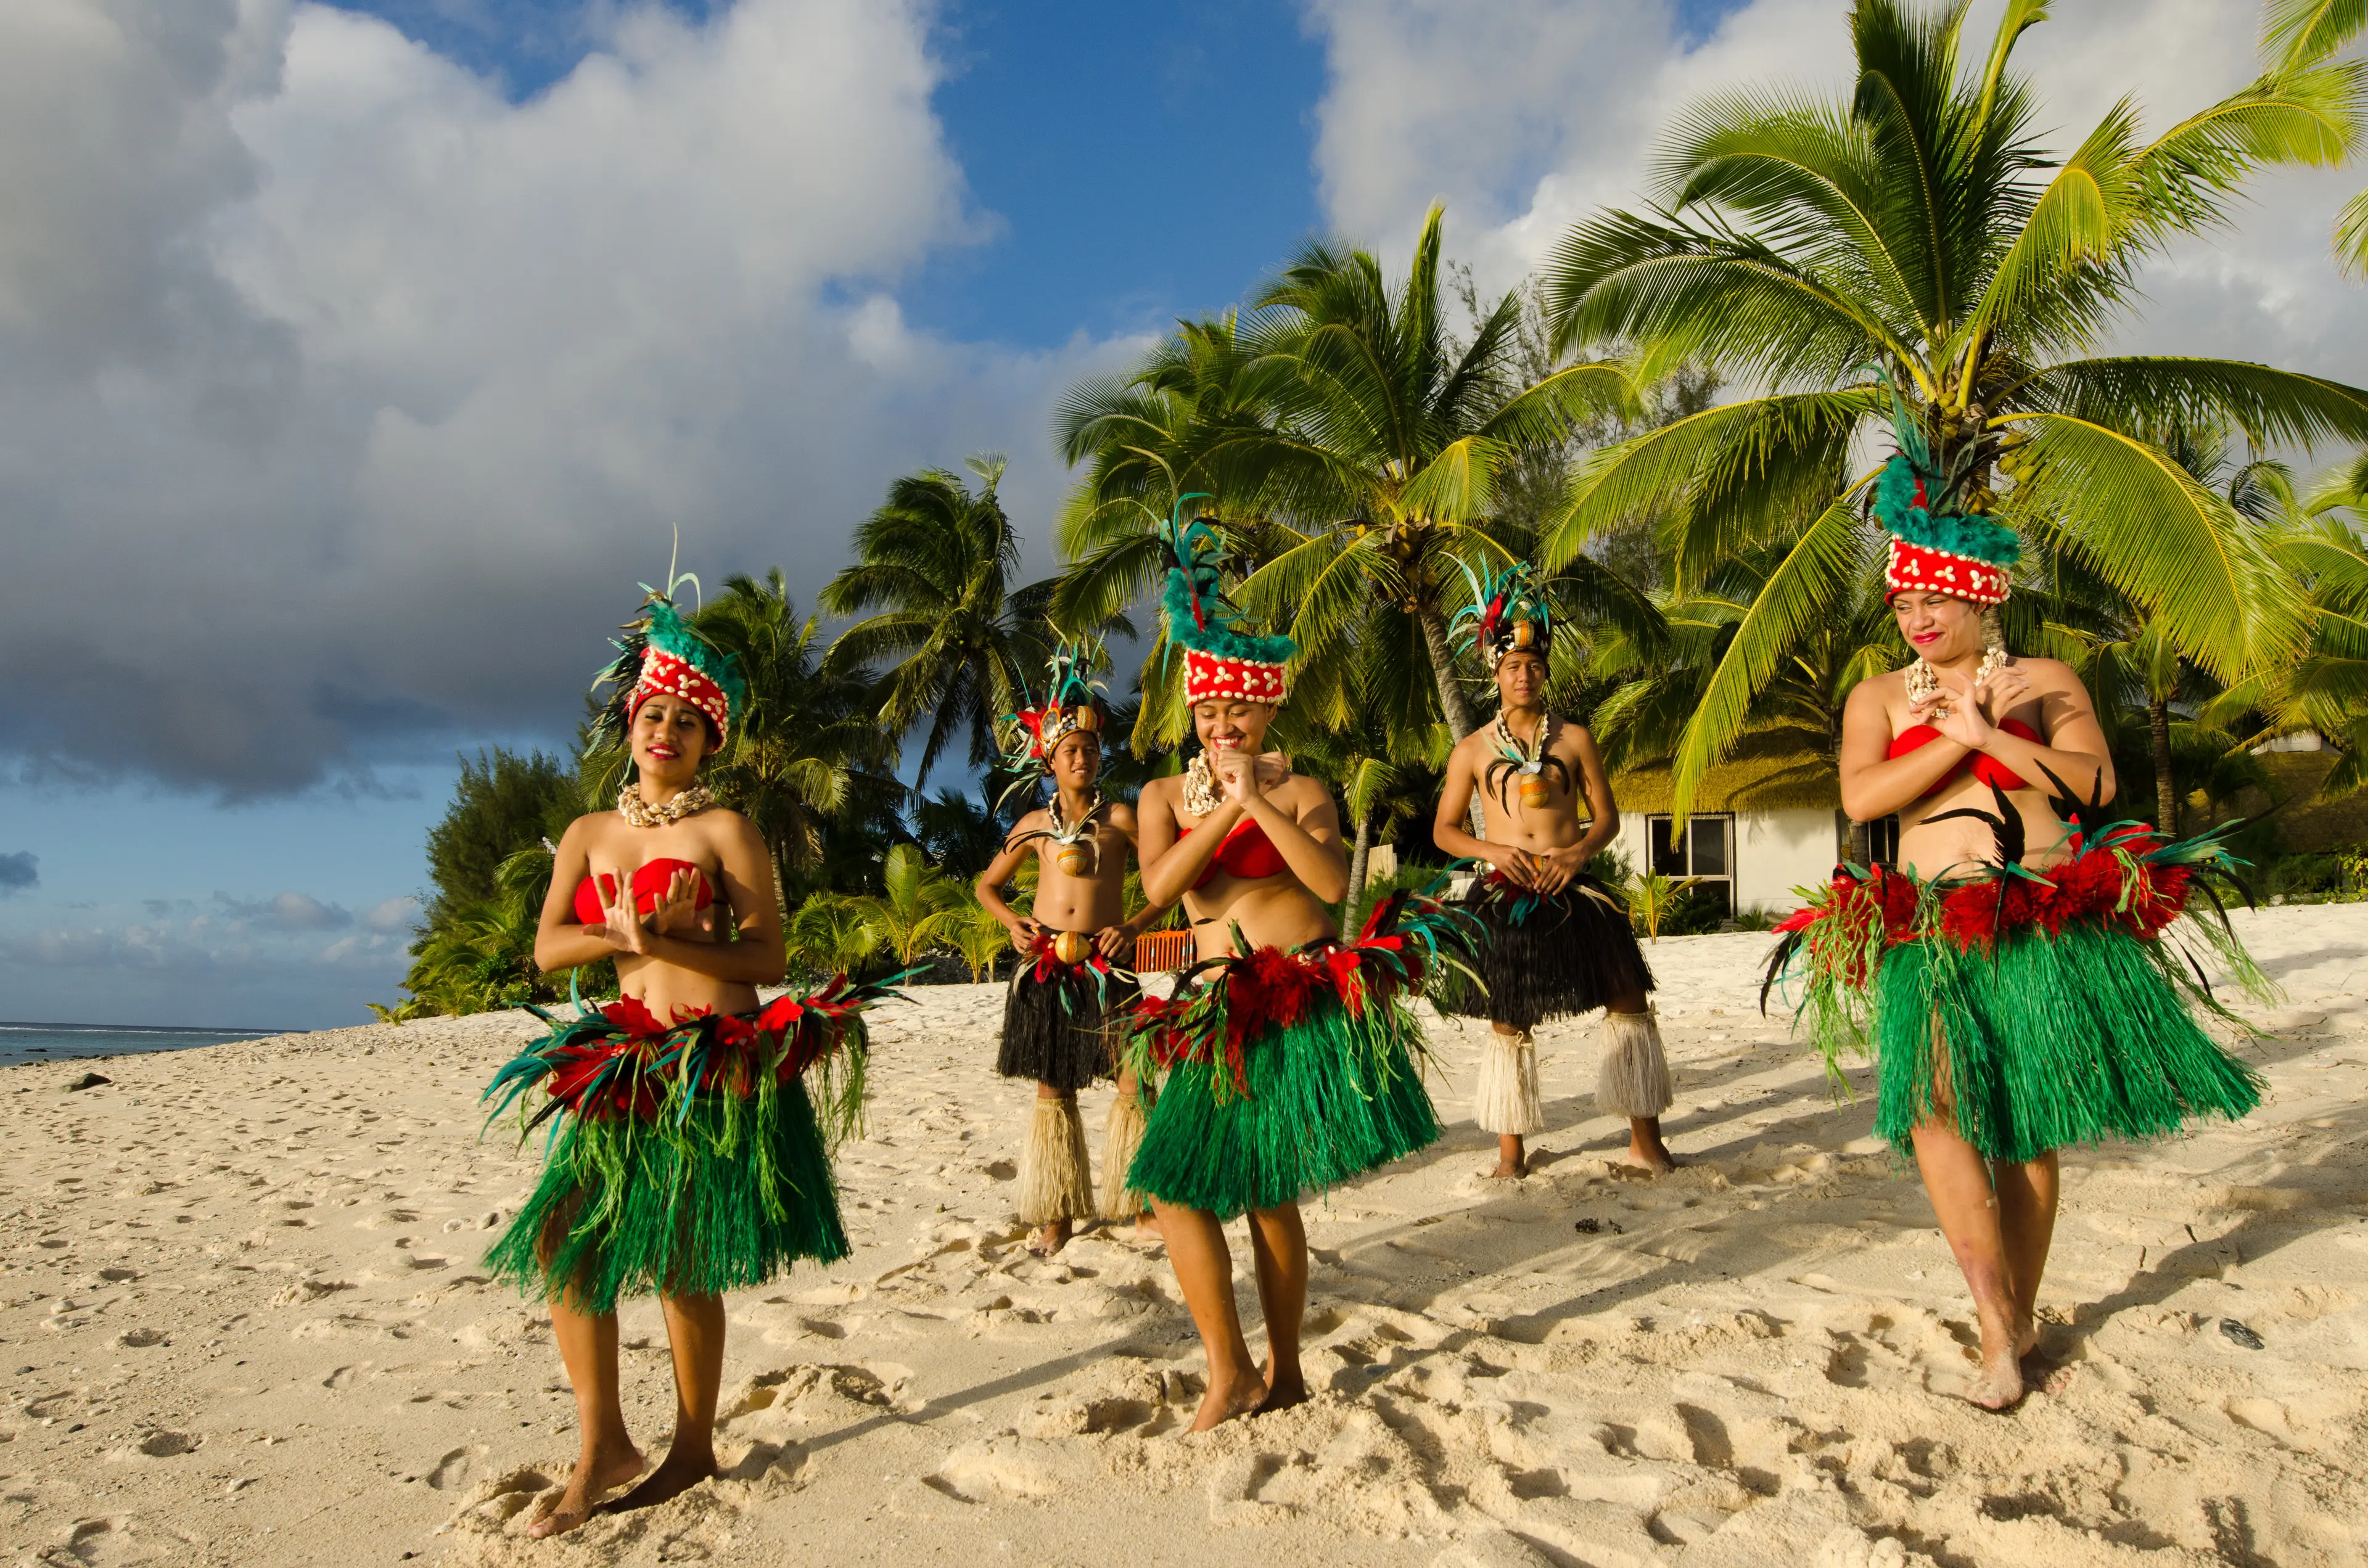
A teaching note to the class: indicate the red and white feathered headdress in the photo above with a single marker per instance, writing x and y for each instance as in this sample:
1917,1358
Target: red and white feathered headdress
1221,661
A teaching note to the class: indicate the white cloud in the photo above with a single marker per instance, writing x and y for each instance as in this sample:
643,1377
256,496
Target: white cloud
391,915
287,912
360,396
1527,115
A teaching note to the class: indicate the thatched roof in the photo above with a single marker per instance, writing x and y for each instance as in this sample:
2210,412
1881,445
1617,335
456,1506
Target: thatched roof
1752,780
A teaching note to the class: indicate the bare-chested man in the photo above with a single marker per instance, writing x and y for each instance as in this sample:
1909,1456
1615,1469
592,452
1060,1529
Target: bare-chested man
1558,941
1074,984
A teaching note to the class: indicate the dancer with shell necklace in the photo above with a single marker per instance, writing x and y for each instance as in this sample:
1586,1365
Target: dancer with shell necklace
1072,984
1292,1061
2027,974
1557,941
686,1155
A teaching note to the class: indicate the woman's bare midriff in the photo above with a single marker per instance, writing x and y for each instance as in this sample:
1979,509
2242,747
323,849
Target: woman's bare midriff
1273,912
669,991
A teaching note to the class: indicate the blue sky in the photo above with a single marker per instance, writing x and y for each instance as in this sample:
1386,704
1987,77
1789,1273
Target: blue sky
363,383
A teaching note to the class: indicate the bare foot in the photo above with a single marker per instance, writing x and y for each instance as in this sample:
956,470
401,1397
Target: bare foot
1652,1155
1512,1158
1046,1240
1146,1227
1282,1392
1999,1387
2026,1340
675,1474
1226,1401
586,1483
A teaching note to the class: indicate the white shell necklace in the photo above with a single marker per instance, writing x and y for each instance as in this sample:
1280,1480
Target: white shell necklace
1924,681
1070,833
640,814
1200,797
1513,751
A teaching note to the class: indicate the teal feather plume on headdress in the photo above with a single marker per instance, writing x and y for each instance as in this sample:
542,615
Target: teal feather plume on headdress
1500,600
1199,614
662,627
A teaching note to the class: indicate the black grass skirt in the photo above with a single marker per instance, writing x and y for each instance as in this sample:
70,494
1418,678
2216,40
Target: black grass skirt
1549,958
1061,1023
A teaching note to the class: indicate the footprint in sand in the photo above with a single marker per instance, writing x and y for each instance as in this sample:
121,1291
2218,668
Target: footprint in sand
453,1469
164,1444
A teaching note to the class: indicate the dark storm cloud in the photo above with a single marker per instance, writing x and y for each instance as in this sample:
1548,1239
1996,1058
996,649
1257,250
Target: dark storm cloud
19,871
345,400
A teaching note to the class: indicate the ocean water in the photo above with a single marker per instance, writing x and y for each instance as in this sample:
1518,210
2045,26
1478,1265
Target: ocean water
57,1042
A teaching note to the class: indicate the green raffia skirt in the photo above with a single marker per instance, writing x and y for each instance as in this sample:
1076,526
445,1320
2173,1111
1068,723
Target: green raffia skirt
1288,1072
2034,1009
2048,1040
686,1159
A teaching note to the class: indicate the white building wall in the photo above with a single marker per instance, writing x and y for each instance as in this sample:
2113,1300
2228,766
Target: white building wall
1630,841
1778,851
1774,851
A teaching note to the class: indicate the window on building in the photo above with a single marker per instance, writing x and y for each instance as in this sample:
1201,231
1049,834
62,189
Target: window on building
1705,851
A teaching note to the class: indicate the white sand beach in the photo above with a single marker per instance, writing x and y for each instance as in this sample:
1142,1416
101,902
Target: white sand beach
242,1321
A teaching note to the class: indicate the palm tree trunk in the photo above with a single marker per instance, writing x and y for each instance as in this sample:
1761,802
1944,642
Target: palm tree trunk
1358,858
1459,722
2165,796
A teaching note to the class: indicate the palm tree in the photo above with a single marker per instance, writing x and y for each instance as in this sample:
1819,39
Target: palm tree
1369,763
2126,649
2299,38
2323,539
963,835
936,563
1912,225
832,933
1354,448
979,937
916,905
1388,448
1187,419
805,734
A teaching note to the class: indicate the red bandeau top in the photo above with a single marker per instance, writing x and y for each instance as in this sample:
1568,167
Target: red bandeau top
649,886
1246,853
1988,769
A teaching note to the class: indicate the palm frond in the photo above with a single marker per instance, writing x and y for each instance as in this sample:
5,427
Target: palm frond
2150,528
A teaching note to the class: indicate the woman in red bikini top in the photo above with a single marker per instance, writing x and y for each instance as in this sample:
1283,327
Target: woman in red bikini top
1242,839
645,884
671,952
1936,736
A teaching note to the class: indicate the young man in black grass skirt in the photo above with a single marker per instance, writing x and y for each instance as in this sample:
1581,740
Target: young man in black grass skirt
1074,984
1558,941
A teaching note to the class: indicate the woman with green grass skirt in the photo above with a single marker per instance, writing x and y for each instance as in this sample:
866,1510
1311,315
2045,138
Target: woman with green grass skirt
1292,1062
685,1154
2030,974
